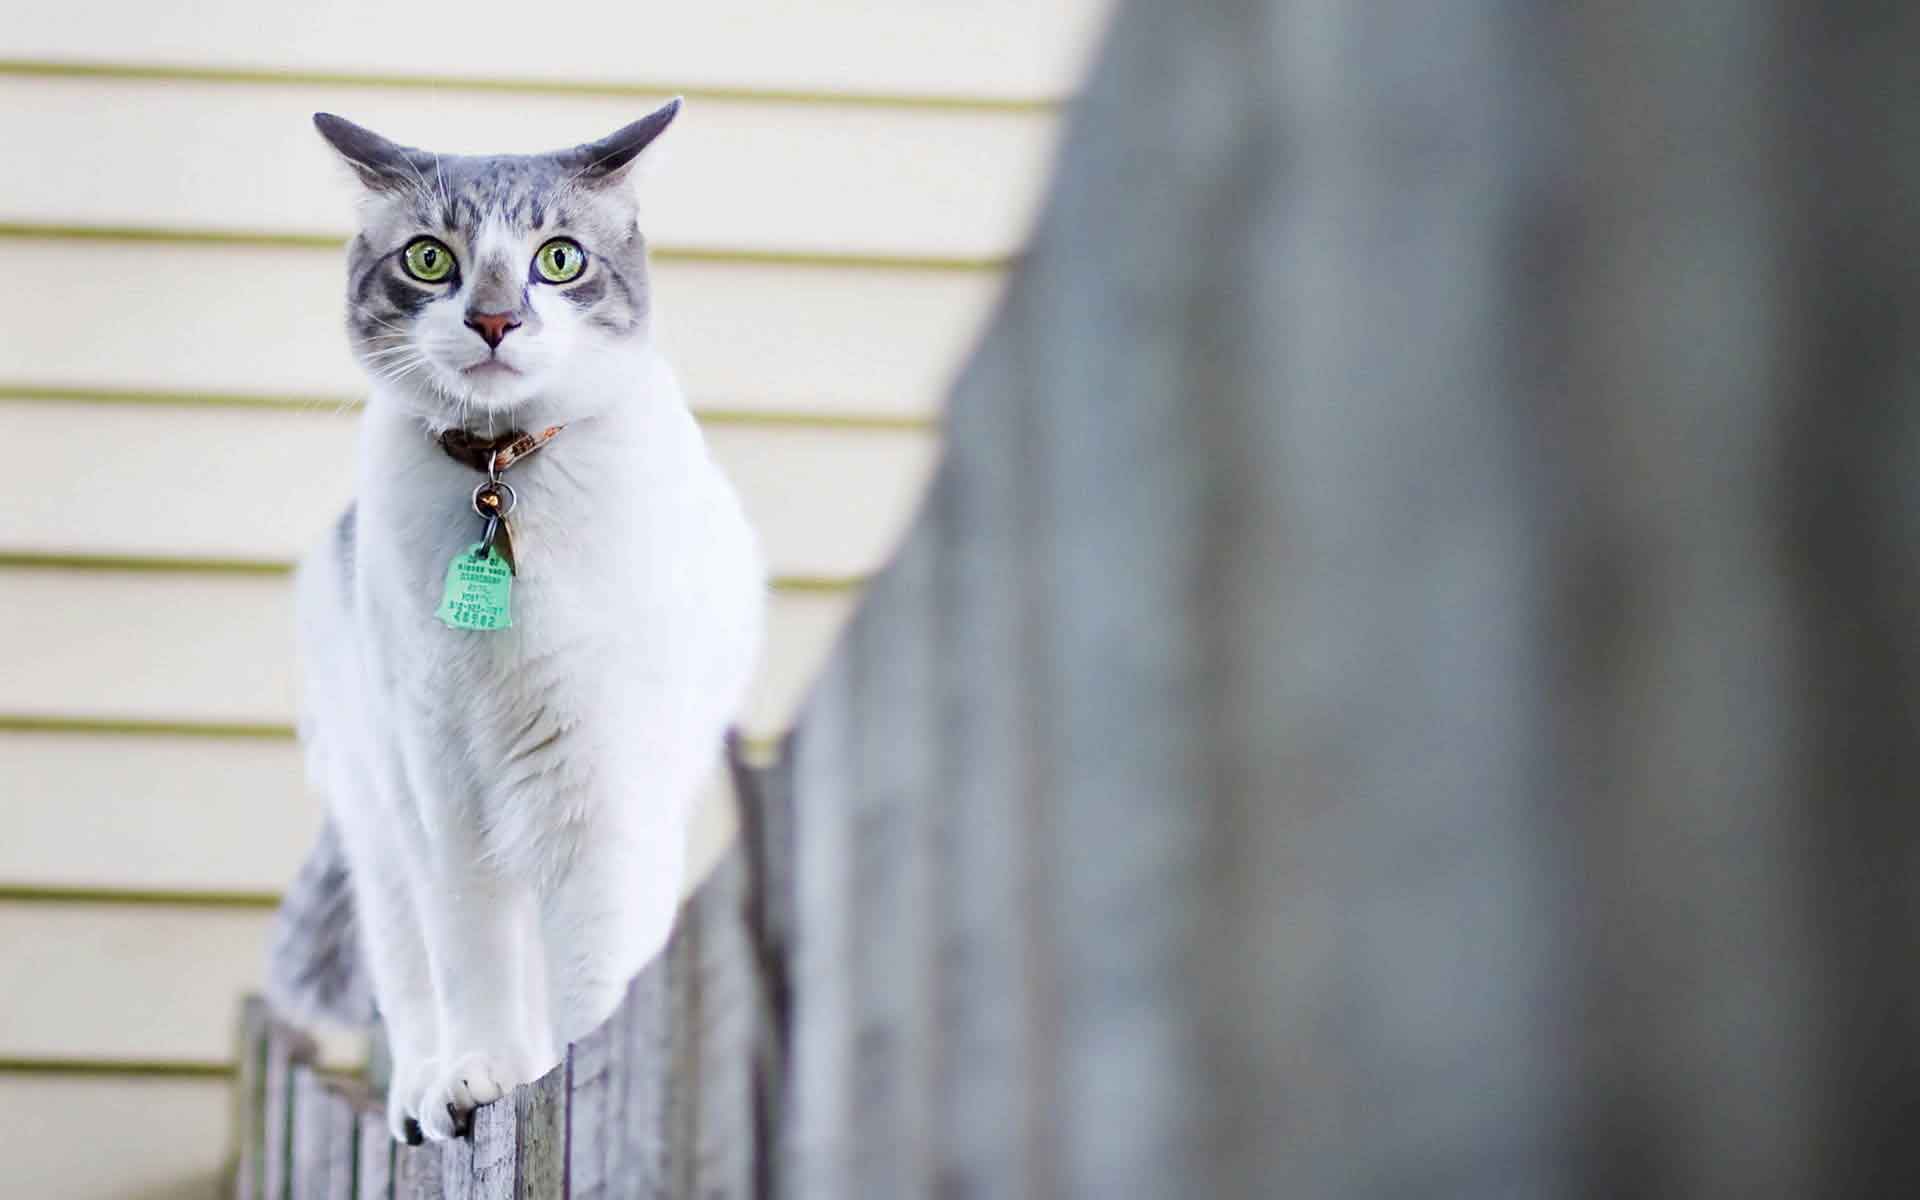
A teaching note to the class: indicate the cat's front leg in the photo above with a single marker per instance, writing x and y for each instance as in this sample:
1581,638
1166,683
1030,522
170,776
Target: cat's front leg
481,930
608,915
392,935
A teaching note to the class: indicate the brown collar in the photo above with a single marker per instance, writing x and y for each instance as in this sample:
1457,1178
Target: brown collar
492,456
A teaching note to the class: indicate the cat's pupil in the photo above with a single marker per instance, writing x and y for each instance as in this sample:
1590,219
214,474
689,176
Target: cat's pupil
559,260
427,256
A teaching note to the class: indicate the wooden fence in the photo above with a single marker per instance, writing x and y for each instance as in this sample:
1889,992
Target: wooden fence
1404,684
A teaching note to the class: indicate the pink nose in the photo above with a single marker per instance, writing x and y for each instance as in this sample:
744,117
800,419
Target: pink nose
493,327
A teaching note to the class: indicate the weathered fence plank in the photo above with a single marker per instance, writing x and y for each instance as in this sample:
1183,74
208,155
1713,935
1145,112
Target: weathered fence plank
419,1173
540,1113
679,1103
375,1154
766,922
890,653
820,1086
590,1131
285,1049
637,1157
991,938
323,1139
722,1147
1283,633
488,1167
250,1100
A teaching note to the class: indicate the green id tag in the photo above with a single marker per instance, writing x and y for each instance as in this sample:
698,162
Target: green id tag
478,592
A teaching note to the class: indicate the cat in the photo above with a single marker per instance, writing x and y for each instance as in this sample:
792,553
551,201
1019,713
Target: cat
510,730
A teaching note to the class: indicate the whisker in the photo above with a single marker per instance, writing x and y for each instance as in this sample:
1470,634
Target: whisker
390,352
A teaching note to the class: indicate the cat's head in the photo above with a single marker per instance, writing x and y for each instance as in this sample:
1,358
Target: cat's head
479,283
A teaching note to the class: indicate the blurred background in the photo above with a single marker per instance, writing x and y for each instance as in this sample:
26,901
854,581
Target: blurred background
831,218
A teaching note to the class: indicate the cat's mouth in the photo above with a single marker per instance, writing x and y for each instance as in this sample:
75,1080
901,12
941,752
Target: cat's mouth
489,368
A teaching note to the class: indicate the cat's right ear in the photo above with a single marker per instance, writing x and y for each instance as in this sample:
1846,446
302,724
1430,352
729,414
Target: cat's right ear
381,165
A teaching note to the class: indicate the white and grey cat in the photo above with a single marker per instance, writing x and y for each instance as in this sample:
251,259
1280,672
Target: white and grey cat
512,803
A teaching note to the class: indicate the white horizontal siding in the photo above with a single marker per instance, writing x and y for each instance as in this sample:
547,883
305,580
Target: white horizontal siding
738,175
114,1137
252,320
268,484
191,646
142,812
125,982
990,48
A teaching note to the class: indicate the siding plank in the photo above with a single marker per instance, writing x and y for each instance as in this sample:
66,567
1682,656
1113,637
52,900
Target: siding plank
741,336
144,480
142,812
707,189
220,648
1000,48
66,972
110,1138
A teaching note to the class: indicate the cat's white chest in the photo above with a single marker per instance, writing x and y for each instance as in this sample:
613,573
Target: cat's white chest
625,618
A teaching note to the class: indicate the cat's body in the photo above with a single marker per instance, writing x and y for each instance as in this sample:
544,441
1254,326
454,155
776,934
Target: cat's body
513,803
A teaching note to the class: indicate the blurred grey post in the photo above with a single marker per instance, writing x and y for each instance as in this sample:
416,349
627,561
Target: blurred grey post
1405,684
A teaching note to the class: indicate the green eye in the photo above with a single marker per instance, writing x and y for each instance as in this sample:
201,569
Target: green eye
427,260
560,261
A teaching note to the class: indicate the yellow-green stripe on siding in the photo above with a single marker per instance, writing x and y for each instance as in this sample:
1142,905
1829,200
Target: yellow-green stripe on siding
116,1068
138,897
33,560
759,750
294,240
855,422
299,77
143,727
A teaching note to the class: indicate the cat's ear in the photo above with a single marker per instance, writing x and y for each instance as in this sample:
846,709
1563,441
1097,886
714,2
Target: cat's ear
381,165
608,160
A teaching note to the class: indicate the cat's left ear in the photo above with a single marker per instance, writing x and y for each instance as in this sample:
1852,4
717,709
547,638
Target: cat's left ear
609,159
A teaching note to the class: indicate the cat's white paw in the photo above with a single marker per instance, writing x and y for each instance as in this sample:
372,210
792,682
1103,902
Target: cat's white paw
464,1083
